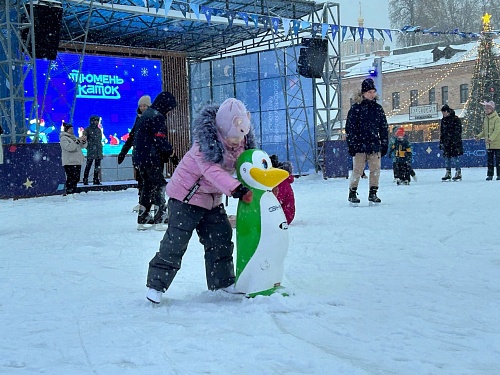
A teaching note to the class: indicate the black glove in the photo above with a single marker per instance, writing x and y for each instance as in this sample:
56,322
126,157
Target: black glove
383,150
174,159
242,192
352,151
121,157
440,146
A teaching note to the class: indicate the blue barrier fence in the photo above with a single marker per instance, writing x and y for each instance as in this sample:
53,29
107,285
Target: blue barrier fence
426,155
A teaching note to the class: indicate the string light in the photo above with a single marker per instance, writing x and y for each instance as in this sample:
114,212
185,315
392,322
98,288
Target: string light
423,92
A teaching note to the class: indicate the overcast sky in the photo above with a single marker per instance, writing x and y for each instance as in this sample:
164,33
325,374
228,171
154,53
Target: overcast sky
375,13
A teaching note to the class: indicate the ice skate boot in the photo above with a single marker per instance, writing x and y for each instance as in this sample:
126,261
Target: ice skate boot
154,296
447,176
372,196
458,175
353,199
161,218
144,219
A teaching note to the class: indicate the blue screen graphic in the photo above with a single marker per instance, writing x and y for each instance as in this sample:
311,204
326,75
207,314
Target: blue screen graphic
110,87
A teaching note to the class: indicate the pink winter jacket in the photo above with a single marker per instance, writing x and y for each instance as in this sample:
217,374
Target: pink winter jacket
214,179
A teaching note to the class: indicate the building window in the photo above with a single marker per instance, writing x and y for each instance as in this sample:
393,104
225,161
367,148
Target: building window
395,100
413,98
444,95
432,96
464,92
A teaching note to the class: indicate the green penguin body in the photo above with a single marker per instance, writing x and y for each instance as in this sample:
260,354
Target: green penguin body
261,227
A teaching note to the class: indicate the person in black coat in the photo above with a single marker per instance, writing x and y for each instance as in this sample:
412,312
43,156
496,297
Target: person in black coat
450,142
367,139
93,133
143,104
151,146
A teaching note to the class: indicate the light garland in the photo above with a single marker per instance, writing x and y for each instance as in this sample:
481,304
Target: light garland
423,92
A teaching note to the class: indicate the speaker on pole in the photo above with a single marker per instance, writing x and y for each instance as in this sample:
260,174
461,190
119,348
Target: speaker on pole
312,57
47,26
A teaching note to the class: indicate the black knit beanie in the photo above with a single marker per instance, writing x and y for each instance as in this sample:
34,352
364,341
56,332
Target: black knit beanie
367,85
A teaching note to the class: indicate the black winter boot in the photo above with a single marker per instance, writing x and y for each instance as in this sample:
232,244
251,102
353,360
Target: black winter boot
372,196
353,196
458,175
447,176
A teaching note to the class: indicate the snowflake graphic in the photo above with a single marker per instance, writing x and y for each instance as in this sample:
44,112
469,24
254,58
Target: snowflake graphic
144,72
53,65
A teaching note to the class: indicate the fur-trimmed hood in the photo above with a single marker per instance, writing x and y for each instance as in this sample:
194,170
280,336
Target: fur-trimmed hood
358,97
205,133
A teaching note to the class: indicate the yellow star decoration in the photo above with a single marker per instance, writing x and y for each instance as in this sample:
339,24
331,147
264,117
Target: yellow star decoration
28,184
486,19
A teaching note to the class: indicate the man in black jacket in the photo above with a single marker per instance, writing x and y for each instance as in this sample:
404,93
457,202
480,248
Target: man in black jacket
143,104
367,139
151,145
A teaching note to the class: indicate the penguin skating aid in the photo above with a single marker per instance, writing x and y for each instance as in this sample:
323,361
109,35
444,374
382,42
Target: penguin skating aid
261,227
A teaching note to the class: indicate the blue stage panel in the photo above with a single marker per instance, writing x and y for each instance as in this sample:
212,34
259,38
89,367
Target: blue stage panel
269,65
249,93
31,170
222,71
199,75
247,68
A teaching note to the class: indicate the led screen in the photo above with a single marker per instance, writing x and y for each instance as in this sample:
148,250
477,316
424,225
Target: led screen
110,87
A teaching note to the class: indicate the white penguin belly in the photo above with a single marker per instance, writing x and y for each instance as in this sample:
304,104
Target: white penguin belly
265,268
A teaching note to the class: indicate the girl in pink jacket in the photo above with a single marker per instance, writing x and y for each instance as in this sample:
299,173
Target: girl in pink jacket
195,192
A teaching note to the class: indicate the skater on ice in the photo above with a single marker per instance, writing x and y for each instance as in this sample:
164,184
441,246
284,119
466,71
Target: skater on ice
491,135
195,192
150,143
367,140
402,150
71,156
450,141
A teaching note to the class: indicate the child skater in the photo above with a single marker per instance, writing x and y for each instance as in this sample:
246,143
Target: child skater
403,153
195,192
285,194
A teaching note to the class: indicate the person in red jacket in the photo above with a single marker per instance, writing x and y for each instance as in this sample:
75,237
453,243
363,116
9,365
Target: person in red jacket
285,194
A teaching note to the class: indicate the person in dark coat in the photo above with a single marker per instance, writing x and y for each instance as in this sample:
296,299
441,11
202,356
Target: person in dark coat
450,141
401,147
143,104
94,150
151,146
367,139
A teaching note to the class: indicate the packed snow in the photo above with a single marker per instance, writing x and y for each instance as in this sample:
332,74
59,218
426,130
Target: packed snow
410,287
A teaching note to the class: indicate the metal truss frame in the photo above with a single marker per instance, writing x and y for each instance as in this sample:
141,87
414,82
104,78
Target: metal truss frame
16,62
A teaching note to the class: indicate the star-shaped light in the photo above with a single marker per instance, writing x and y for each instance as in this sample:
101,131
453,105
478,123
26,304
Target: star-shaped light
486,19
28,184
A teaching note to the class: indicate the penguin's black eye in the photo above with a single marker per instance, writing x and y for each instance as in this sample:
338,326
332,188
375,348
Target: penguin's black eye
264,164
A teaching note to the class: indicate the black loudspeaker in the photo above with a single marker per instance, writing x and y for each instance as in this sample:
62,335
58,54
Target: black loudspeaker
312,57
47,25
